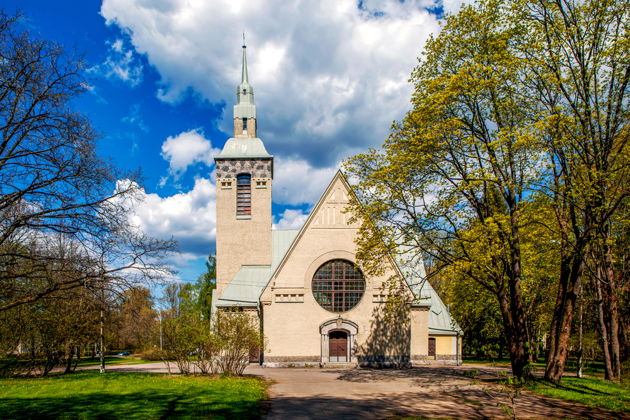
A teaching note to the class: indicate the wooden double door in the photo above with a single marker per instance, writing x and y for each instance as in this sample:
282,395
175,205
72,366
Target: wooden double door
338,350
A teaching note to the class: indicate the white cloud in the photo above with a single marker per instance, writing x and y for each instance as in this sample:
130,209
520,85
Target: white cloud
189,218
291,219
297,182
121,63
134,118
329,76
453,6
185,149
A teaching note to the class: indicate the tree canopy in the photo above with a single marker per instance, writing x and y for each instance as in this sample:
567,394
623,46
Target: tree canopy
63,210
510,165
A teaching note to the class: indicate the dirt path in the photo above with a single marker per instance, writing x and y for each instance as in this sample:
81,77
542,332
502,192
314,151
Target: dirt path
428,391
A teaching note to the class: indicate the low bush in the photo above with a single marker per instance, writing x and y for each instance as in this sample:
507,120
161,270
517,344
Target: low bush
222,347
153,354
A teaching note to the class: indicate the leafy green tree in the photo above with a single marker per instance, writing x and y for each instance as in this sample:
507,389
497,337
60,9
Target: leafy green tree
514,102
451,181
137,319
578,54
205,285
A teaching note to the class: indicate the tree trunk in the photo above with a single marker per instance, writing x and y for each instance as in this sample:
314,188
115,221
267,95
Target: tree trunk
580,355
69,359
102,343
571,269
613,314
516,338
603,331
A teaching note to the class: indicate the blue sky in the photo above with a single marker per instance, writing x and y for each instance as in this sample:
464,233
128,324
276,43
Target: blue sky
329,78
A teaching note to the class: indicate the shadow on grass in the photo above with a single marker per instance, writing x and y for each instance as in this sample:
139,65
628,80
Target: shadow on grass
138,405
582,388
84,396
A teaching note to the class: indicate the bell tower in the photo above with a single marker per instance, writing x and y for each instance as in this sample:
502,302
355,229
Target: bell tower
244,172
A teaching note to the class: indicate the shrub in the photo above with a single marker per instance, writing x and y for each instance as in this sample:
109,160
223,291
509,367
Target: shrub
238,336
153,354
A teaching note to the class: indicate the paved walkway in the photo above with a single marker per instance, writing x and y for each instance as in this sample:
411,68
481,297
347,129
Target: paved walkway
429,391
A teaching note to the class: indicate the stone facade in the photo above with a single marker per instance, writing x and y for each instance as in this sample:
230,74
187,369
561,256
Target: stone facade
242,239
296,329
257,168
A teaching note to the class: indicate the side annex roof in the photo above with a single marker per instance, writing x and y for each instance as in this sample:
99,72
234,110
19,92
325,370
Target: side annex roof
250,281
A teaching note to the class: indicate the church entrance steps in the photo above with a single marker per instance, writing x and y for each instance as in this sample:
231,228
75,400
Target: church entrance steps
339,365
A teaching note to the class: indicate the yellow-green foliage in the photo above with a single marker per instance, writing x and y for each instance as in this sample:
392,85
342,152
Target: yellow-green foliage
515,147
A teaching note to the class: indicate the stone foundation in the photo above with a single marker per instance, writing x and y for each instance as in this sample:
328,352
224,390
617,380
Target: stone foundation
440,359
396,362
291,359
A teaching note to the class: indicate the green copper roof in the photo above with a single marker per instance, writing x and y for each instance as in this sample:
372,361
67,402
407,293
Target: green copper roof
243,147
246,286
411,266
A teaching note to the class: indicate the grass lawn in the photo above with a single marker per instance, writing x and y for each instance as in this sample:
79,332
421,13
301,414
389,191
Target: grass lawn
590,391
88,394
591,367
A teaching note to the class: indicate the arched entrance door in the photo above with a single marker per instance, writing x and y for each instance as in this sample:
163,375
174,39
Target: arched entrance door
339,337
338,347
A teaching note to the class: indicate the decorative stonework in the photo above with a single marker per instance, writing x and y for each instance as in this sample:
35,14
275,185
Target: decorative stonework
332,213
257,168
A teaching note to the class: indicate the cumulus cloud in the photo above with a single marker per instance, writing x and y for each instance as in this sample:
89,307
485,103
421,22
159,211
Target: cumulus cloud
189,218
297,182
185,149
330,76
121,63
291,219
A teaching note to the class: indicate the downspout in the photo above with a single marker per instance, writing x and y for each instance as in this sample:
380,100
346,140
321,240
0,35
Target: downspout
261,352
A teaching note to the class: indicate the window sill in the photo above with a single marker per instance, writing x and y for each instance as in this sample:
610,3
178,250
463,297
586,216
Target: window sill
243,217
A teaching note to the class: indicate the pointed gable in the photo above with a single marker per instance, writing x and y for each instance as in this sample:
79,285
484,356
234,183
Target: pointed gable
331,213
328,213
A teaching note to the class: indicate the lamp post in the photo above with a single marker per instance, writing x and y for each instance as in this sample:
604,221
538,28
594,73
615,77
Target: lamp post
160,318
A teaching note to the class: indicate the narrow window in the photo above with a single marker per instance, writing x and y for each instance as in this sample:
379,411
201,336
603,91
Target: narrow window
244,124
244,195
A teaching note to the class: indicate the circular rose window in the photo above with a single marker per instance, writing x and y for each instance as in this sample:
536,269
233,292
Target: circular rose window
338,285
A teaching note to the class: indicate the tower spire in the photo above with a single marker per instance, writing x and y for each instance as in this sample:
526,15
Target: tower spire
244,70
245,110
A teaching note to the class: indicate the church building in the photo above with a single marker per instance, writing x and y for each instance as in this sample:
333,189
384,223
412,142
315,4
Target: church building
304,287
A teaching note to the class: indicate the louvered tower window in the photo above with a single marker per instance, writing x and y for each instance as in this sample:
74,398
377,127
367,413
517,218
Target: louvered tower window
244,195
